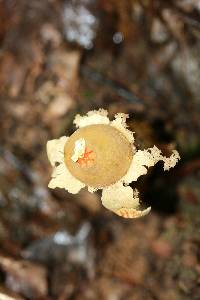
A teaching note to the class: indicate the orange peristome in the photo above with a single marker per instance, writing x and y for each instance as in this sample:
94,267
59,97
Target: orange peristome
87,159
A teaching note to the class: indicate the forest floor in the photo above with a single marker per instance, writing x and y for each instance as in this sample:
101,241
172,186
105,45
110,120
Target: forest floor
59,58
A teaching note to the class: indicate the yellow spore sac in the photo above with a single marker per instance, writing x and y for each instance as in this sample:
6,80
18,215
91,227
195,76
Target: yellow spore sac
101,154
106,158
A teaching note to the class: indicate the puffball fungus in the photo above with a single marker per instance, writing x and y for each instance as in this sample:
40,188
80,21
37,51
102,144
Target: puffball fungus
101,154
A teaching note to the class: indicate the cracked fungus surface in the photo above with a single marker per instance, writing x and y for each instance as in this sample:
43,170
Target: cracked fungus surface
101,154
110,157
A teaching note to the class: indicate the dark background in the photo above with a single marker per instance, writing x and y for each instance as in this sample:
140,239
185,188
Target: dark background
60,58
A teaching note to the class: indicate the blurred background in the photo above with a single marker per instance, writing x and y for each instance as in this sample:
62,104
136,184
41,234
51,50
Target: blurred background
59,58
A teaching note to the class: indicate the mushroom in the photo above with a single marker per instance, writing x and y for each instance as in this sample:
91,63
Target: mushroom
101,154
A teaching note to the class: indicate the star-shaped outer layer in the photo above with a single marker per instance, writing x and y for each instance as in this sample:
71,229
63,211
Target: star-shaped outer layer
118,197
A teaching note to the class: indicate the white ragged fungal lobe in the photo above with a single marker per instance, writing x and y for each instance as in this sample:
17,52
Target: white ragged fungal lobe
79,149
61,177
117,196
100,117
92,189
120,124
170,162
142,160
92,117
55,150
123,201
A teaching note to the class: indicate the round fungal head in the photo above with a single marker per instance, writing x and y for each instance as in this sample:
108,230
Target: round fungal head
106,155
